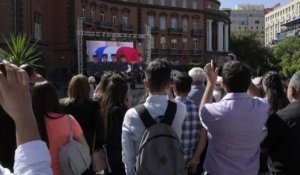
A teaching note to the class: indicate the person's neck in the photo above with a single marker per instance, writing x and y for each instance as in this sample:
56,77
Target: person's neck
197,84
181,94
156,93
294,100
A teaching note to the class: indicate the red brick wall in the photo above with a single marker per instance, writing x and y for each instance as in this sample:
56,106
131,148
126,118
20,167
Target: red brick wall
6,18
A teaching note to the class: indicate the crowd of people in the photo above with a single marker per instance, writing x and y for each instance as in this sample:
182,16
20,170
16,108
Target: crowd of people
223,124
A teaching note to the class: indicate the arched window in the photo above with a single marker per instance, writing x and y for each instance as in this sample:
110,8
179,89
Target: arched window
162,22
93,16
83,10
185,23
125,15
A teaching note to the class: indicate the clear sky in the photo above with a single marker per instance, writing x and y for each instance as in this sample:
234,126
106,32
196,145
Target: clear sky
267,3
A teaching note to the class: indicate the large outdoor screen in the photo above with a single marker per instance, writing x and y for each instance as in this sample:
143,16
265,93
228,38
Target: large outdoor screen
113,51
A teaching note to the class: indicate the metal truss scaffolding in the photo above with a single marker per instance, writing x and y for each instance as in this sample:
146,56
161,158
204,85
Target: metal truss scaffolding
81,33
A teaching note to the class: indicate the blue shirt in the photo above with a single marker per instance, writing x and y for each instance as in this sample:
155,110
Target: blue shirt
190,127
196,94
235,128
133,127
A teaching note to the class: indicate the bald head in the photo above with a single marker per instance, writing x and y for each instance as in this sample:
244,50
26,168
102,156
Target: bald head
295,83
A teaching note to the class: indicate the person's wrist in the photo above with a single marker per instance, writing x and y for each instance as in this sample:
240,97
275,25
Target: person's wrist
211,83
24,117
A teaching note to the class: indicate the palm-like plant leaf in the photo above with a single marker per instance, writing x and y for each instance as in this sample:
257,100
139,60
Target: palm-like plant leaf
19,51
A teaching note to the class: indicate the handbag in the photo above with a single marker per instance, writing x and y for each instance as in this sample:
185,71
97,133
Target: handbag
74,157
99,159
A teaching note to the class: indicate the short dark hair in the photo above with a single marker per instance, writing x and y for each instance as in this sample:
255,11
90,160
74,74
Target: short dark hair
158,75
183,83
28,68
236,76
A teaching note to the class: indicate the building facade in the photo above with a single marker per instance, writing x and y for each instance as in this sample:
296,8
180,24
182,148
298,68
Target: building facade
292,29
48,21
277,19
182,30
249,18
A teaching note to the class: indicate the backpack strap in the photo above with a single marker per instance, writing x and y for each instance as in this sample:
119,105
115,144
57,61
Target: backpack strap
145,116
170,113
70,128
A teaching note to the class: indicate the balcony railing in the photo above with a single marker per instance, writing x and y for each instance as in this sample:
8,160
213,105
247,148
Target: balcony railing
197,52
159,51
176,52
126,28
155,30
104,24
196,32
89,21
176,31
187,52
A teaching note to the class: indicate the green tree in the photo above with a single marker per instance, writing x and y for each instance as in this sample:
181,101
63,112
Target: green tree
20,51
288,52
249,50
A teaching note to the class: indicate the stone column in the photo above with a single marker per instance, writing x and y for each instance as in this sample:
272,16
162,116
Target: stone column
220,36
226,38
209,35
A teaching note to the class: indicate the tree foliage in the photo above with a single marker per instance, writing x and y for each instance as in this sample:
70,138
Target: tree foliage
249,50
288,52
20,51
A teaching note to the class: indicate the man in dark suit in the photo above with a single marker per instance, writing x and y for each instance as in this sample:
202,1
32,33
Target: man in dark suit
283,139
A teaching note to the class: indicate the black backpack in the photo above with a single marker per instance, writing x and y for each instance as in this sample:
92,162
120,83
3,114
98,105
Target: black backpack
160,151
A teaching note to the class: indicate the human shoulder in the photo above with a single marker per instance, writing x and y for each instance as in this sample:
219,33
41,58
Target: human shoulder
191,102
178,103
181,110
290,111
131,114
118,111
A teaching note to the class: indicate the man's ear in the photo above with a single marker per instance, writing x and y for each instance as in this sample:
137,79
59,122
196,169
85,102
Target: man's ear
293,92
146,84
223,85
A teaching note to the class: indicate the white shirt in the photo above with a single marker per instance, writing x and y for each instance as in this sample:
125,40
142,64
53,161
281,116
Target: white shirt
133,127
31,158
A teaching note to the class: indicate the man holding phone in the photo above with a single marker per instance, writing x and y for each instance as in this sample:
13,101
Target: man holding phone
235,124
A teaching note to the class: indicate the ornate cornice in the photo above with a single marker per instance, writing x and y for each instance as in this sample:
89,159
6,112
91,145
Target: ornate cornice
213,13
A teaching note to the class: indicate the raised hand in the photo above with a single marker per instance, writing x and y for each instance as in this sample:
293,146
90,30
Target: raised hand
211,73
15,99
14,92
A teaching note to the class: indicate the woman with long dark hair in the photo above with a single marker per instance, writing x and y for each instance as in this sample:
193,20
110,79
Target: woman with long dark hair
114,104
52,123
274,91
277,99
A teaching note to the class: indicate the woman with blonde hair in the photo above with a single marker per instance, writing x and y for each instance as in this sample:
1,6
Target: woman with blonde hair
85,110
100,88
